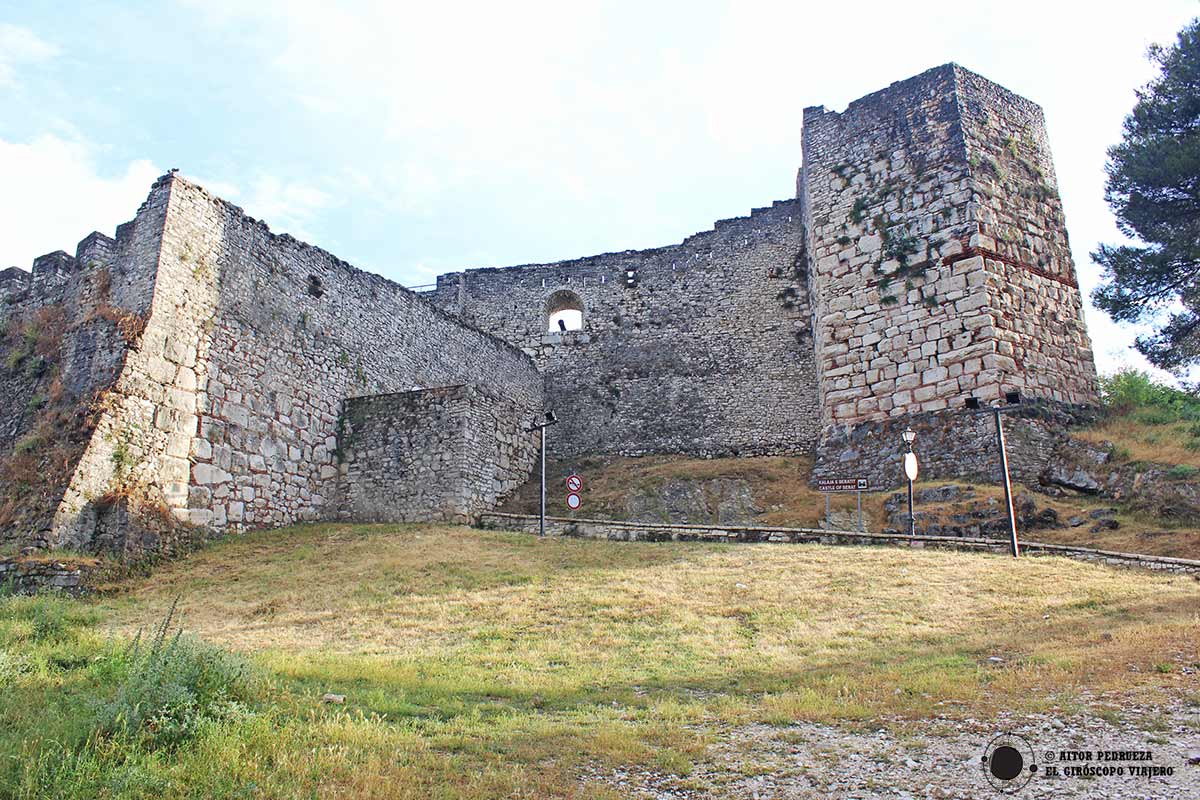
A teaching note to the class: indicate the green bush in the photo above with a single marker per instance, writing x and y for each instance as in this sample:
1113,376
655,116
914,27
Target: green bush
173,686
26,621
1133,392
1182,472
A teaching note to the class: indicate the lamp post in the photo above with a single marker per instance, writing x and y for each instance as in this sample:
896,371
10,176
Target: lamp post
546,421
910,469
1012,401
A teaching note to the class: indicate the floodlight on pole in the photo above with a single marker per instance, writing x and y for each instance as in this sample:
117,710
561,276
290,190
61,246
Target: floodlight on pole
546,421
1012,401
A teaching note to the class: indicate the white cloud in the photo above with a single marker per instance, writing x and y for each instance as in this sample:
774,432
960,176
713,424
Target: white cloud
54,188
286,206
20,46
590,126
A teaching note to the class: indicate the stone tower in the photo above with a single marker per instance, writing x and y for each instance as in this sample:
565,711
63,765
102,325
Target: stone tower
939,262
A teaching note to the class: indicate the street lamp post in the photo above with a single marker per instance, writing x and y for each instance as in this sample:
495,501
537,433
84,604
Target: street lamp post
1012,401
910,469
540,425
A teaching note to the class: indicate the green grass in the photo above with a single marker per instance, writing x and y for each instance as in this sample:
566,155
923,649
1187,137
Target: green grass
1148,421
487,665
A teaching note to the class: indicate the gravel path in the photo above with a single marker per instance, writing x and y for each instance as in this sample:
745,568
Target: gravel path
941,760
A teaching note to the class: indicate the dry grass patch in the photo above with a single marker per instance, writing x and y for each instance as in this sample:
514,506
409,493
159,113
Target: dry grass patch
468,618
780,485
1135,440
482,664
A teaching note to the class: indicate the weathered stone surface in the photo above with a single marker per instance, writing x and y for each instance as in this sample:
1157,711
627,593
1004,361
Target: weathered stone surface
951,163
923,260
965,516
433,454
705,351
31,575
1071,478
721,500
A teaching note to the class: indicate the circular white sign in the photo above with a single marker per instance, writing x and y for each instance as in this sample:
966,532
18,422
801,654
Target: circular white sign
574,483
574,501
910,466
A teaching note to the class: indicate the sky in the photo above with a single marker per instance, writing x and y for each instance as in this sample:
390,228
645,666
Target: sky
413,139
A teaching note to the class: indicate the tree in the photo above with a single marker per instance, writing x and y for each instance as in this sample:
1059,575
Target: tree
1154,189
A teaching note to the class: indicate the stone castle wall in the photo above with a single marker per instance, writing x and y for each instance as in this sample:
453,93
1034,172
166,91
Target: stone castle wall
1042,344
295,331
444,454
222,412
70,327
701,348
203,366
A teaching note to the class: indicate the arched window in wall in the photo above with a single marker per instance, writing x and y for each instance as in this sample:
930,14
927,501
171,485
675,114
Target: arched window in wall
564,312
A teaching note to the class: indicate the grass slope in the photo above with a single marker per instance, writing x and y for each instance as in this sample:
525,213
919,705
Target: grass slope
780,486
480,664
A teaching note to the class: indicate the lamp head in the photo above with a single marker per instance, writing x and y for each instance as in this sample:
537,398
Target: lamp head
909,436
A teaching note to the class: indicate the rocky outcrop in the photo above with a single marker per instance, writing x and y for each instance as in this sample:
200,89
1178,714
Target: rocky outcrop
960,512
1161,490
726,501
1075,464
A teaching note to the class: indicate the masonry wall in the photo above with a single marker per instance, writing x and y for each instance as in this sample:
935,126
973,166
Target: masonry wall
138,455
1042,344
293,332
701,348
938,274
444,454
212,398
